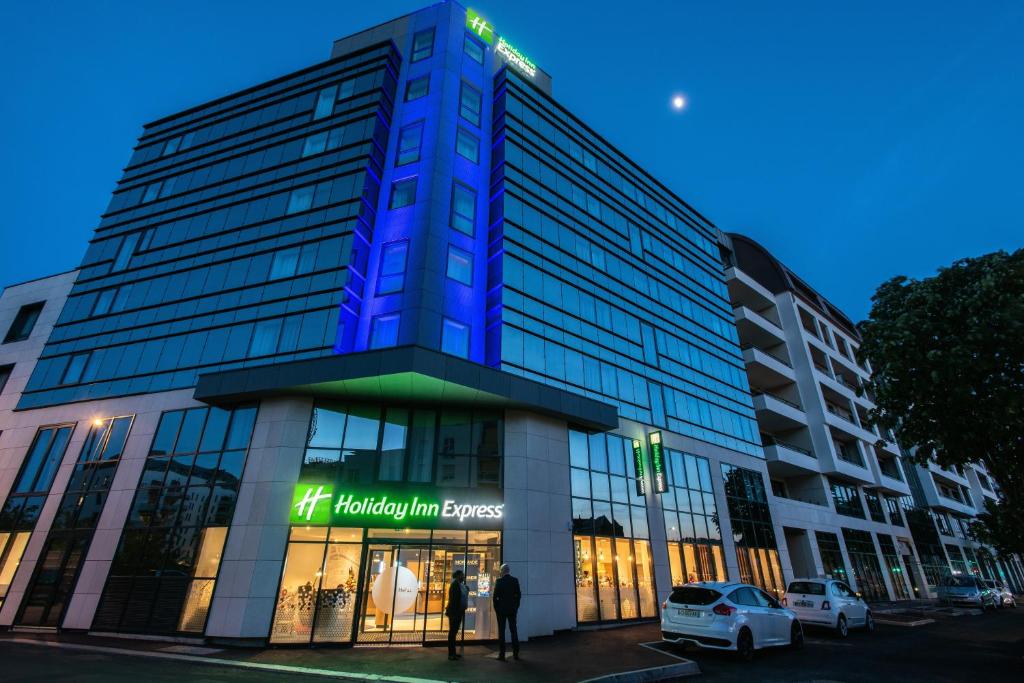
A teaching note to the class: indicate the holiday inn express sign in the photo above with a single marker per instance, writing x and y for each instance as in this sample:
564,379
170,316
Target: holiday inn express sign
354,506
480,27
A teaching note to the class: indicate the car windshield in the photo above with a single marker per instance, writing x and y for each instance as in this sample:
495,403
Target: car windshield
807,588
693,595
961,581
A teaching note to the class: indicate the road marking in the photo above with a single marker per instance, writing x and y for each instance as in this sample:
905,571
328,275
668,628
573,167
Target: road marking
277,668
653,645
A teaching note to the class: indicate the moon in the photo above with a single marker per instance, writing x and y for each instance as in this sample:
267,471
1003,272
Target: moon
678,102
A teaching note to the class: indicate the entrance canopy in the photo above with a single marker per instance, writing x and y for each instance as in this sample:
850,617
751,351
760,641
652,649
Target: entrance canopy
407,374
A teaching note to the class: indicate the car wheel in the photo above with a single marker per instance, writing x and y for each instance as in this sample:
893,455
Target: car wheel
796,636
841,626
869,623
745,645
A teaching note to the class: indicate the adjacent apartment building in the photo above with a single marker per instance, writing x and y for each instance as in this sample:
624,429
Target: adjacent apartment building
850,505
395,314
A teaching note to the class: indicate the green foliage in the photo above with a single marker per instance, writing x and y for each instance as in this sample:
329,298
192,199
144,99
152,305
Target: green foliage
947,361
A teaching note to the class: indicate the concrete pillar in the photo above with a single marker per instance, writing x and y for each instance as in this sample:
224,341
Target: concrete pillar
246,592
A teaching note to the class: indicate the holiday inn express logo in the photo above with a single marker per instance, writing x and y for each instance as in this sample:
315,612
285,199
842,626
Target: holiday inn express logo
318,504
485,31
479,26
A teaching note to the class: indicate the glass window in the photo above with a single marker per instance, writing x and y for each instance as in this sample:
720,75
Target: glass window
315,144
300,199
463,214
5,374
460,265
171,146
43,458
455,338
474,49
24,322
392,267
470,103
417,88
422,45
76,367
392,450
403,193
152,191
265,336
409,139
348,88
753,533
384,331
325,102
125,252
467,145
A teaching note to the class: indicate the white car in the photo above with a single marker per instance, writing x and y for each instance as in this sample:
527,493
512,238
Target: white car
724,615
830,603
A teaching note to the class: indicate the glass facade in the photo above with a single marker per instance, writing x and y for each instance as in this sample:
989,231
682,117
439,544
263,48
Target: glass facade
375,585
614,570
757,550
21,510
691,521
892,563
165,569
831,556
846,499
608,284
864,560
183,271
56,572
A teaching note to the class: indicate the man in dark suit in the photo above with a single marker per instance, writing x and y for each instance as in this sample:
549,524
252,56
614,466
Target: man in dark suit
458,601
507,597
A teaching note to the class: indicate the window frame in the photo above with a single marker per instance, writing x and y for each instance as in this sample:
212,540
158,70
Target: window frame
416,54
452,213
408,88
448,264
477,116
403,182
459,133
27,315
404,244
415,127
471,40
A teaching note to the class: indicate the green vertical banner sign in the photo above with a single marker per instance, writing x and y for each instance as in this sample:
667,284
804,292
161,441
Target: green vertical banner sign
638,466
479,26
658,463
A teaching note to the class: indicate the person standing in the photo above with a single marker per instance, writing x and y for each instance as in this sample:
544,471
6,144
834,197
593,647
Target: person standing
458,601
507,597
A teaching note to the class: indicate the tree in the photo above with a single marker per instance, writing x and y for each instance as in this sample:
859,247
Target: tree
947,362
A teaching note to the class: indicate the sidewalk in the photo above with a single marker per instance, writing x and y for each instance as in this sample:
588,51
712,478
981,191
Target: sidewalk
570,656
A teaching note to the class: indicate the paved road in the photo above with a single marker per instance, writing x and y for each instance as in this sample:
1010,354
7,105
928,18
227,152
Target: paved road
987,648
24,664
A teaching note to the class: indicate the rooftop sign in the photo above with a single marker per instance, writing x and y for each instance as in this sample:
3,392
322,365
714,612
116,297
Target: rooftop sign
485,31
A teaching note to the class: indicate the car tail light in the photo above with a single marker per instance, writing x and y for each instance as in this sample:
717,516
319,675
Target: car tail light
785,601
825,604
664,604
723,610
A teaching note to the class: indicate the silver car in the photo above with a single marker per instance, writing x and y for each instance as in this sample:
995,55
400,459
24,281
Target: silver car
1004,596
964,590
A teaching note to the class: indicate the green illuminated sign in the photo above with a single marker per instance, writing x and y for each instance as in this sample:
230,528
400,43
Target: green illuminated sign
321,505
515,57
658,462
638,467
479,26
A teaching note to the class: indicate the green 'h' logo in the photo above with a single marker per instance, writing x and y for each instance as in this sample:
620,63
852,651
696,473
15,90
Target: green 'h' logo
479,26
312,504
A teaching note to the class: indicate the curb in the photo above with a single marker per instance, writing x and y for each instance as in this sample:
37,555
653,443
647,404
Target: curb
655,673
910,624
212,661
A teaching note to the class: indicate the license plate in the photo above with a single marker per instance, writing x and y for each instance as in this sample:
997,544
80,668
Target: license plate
804,603
692,613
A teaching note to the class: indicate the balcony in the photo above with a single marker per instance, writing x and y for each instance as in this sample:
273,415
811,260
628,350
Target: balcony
766,369
777,414
755,329
787,460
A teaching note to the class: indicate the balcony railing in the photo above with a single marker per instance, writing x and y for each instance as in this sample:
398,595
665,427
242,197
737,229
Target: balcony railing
761,392
772,441
767,353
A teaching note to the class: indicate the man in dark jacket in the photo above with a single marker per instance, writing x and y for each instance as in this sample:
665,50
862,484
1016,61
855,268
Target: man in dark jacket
507,597
458,601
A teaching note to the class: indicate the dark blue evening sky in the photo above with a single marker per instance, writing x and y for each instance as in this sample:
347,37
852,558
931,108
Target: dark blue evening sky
856,140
